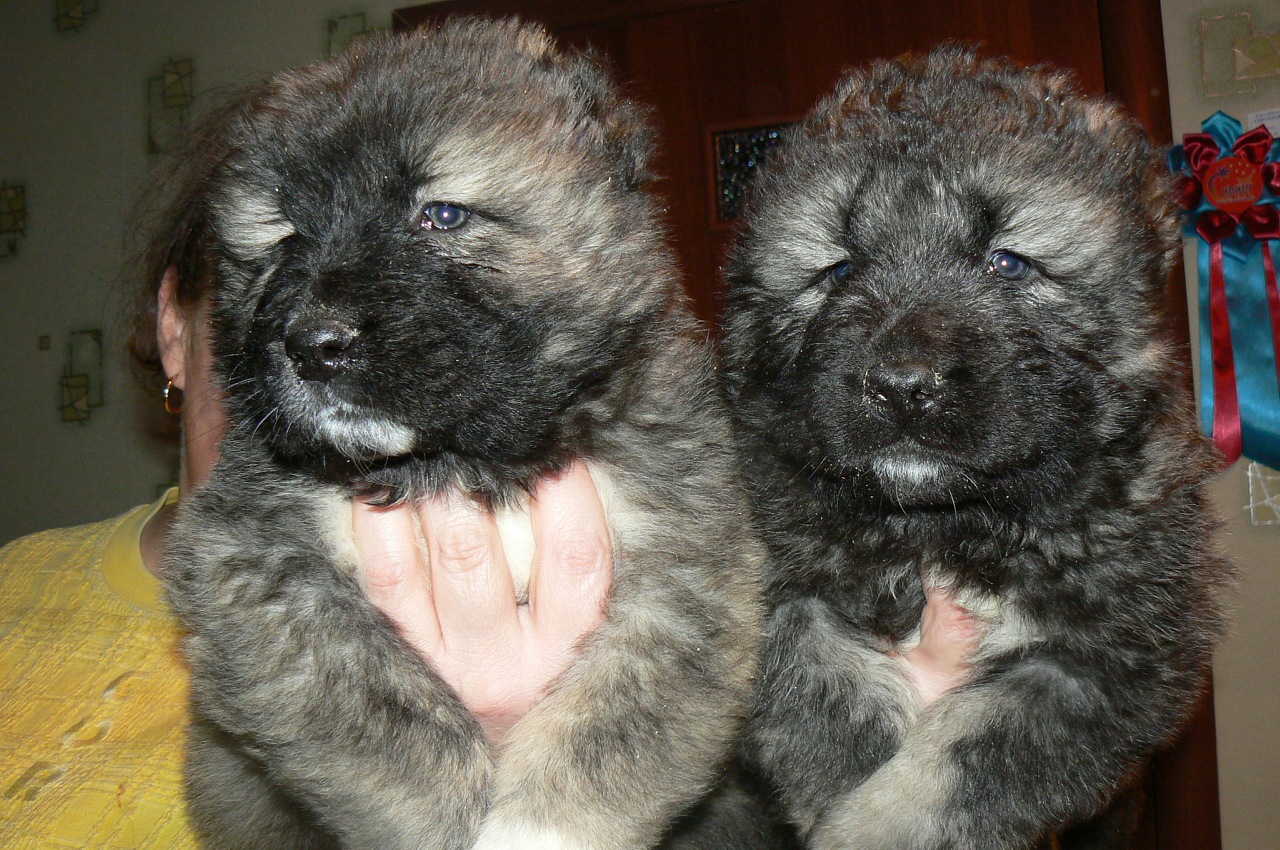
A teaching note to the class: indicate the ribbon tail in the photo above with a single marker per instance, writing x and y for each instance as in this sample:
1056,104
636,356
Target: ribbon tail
1273,300
1226,402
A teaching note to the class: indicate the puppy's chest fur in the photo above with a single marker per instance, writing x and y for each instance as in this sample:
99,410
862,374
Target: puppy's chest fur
878,585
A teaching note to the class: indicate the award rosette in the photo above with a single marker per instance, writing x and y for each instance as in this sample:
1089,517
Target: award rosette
1230,192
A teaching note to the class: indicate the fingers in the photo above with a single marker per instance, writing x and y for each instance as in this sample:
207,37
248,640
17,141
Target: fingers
458,607
947,629
949,637
474,598
573,561
394,573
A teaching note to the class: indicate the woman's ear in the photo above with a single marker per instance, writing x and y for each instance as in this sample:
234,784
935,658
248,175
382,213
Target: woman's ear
171,329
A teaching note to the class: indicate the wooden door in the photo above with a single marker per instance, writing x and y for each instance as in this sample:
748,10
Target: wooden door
711,68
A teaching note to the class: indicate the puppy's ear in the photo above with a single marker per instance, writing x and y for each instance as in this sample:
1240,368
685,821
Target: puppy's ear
1153,186
604,120
834,110
249,221
1159,200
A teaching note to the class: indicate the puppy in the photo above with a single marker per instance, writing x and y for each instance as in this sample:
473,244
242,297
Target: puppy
437,272
950,366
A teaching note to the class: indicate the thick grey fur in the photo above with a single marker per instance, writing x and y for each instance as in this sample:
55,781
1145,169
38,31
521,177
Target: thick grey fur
906,410
550,326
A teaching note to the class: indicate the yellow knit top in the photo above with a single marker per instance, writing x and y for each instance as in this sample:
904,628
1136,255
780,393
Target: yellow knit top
92,693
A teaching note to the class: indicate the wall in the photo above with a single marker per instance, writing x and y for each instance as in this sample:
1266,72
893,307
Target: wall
1247,668
74,109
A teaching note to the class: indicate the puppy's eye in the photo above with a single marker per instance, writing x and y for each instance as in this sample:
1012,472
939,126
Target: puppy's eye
1008,265
442,216
838,274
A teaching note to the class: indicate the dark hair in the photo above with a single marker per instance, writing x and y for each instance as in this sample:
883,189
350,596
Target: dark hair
171,229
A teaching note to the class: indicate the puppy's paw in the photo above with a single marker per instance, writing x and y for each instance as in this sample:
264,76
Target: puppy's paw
508,835
898,808
858,823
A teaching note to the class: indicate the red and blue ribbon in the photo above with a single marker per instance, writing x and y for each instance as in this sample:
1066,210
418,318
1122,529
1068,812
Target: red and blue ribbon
1231,194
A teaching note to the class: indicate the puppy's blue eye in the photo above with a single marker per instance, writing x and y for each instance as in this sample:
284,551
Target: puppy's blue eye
1008,265
442,216
839,273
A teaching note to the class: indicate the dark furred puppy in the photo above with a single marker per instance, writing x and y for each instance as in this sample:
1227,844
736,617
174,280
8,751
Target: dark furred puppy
950,365
436,271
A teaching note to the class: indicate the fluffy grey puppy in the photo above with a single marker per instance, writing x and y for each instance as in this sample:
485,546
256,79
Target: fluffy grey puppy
950,365
437,271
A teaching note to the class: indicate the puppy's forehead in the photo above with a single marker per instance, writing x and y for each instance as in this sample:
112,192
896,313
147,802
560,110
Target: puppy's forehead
477,163
423,128
1063,225
983,194
388,162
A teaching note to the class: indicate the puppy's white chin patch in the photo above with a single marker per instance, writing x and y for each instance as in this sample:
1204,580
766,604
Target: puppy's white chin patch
366,437
909,471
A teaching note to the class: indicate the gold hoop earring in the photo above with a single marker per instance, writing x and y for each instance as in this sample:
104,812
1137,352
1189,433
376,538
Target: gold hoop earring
172,398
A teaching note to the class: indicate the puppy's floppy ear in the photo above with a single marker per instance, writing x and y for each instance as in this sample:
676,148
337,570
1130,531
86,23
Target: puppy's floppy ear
605,120
1153,185
600,118
248,220
830,113
1157,194
1160,195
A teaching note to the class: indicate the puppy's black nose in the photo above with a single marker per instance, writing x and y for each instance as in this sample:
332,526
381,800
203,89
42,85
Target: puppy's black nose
903,390
319,348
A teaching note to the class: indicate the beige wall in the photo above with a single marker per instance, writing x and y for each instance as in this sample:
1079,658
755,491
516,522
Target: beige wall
1247,669
72,130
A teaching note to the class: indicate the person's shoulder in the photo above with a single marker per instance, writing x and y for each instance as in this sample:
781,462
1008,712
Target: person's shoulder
63,544
58,538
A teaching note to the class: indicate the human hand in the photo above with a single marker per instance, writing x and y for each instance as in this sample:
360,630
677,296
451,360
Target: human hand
454,600
949,635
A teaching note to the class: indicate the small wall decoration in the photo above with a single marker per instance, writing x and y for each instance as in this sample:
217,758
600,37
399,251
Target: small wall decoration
82,376
738,153
13,218
1264,495
75,398
1233,56
72,15
1231,194
345,29
169,96
1257,56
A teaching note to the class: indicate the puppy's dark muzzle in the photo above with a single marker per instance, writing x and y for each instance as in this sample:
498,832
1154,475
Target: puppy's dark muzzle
321,349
